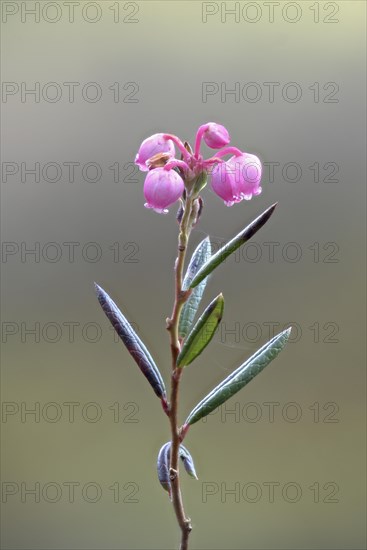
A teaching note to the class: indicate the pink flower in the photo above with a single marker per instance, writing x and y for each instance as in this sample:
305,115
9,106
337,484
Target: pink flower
223,184
154,144
162,188
233,180
216,135
247,174
237,179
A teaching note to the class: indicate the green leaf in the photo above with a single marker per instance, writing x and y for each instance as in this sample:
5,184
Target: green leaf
202,332
231,246
239,378
133,344
200,256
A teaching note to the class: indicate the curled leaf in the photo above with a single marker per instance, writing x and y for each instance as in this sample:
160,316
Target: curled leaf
231,246
133,344
239,378
163,467
188,462
199,258
202,333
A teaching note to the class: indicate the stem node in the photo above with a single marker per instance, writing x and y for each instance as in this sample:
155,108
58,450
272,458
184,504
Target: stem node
172,474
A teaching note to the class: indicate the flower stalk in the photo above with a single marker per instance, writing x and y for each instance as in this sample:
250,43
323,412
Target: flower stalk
172,326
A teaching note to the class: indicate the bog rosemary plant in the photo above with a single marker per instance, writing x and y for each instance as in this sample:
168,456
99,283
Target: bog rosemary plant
170,180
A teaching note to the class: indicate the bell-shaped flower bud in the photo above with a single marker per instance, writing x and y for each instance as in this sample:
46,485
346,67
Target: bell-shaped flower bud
216,135
247,171
162,188
150,147
237,179
223,183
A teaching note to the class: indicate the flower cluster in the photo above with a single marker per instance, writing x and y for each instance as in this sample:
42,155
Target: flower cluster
232,180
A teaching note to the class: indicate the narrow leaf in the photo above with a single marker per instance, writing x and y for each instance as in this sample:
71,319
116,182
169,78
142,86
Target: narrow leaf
188,462
231,246
200,256
202,332
163,467
239,378
134,345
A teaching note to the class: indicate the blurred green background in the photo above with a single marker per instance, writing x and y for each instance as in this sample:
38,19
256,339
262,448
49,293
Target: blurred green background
292,450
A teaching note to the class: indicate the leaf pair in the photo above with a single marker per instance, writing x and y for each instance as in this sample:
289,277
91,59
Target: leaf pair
163,465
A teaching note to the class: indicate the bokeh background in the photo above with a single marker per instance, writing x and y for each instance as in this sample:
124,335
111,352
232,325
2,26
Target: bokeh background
285,468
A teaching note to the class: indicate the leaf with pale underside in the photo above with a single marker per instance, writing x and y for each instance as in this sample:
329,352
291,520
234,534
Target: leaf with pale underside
239,378
188,462
189,310
133,343
216,259
163,467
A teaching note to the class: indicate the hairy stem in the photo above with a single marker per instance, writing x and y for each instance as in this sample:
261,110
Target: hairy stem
172,326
